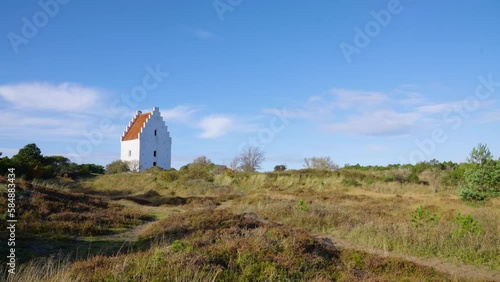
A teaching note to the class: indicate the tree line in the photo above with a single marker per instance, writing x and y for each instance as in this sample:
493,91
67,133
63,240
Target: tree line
478,178
30,164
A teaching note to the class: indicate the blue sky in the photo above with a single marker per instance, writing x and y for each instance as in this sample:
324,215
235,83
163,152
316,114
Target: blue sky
369,82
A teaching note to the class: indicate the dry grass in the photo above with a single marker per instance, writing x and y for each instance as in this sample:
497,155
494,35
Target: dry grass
216,245
56,213
376,215
256,227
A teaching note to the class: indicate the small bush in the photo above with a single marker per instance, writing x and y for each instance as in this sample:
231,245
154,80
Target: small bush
421,217
469,195
302,205
179,246
280,168
117,167
466,225
482,181
322,163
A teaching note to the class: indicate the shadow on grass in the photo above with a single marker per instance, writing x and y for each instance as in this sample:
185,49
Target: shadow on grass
27,249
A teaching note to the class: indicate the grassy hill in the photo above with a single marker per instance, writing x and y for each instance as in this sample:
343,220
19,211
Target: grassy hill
306,225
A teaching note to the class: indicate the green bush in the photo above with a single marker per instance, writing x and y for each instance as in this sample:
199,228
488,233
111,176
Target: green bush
482,177
117,167
280,168
179,246
454,176
423,217
472,195
482,181
302,205
466,225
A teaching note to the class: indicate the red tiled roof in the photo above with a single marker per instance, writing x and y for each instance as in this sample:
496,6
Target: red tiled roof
135,129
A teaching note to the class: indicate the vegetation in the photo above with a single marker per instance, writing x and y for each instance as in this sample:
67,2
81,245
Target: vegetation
280,168
206,222
117,167
482,178
324,163
55,213
249,159
30,164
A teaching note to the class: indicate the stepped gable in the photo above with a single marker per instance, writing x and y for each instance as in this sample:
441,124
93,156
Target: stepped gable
136,126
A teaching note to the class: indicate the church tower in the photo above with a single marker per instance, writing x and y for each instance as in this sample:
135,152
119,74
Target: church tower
146,142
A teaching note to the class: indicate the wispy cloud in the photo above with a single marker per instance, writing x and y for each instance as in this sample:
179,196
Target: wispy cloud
40,126
346,98
50,112
215,126
375,113
203,34
64,97
181,113
384,122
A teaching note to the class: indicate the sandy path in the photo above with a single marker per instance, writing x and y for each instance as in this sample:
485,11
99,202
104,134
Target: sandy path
456,271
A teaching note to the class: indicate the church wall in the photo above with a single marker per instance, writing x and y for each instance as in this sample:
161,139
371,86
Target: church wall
130,150
149,143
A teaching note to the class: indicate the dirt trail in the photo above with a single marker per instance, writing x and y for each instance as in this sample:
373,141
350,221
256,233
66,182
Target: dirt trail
132,234
456,271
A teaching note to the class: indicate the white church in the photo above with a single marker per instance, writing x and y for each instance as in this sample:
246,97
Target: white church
146,142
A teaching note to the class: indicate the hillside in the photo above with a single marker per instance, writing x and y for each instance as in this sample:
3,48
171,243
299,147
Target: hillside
303,225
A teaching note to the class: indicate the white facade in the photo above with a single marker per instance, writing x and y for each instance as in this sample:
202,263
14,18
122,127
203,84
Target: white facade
146,142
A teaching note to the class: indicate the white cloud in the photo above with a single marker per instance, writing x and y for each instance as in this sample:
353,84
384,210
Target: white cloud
181,113
411,99
368,112
346,99
215,126
436,108
37,126
64,97
384,122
